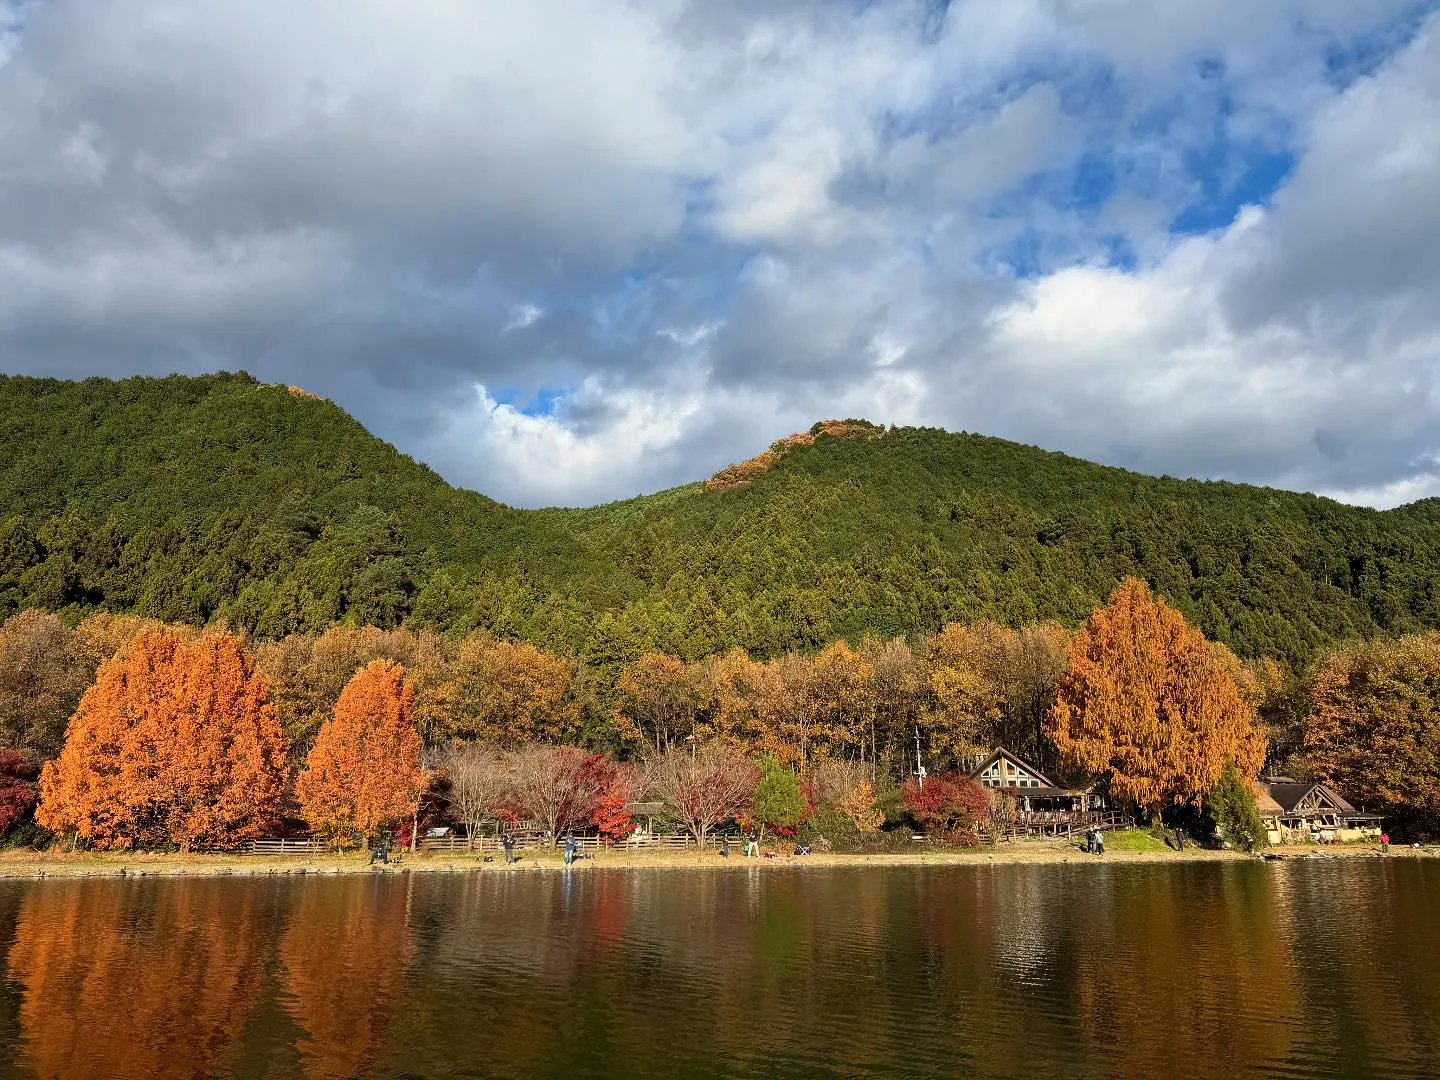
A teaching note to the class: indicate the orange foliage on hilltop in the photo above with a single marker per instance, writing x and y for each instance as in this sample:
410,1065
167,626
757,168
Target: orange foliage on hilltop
1146,704
364,770
176,742
747,470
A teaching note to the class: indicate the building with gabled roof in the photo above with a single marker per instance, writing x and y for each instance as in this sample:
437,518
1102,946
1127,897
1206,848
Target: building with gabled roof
1304,811
1003,771
1042,807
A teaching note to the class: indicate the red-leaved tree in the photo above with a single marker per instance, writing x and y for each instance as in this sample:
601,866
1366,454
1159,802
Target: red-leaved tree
19,789
611,814
951,805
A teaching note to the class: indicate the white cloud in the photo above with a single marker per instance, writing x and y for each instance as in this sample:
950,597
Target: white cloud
1265,351
707,225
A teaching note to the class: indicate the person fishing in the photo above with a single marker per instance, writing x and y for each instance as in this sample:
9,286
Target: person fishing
570,848
507,844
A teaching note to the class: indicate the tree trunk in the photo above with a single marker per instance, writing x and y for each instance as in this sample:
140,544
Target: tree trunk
874,753
414,830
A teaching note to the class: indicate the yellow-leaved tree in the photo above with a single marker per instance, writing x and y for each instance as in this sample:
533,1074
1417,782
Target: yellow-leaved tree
1147,706
501,691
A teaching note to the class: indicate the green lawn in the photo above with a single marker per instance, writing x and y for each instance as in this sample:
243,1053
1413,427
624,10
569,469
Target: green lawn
1131,840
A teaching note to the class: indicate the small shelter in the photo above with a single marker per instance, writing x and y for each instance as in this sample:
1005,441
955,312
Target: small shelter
647,810
1296,811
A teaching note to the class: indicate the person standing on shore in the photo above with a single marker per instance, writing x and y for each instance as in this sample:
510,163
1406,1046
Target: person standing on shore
1385,843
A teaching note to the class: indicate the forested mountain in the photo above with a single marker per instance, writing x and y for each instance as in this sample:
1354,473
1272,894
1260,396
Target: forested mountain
192,499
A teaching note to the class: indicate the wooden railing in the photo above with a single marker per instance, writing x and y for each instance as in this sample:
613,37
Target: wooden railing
489,845
1056,823
1066,822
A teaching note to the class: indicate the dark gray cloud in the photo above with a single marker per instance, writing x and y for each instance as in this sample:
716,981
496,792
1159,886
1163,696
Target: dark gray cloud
574,250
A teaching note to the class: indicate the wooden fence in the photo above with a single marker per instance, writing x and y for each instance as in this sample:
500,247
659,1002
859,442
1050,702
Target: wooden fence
1051,823
279,846
491,844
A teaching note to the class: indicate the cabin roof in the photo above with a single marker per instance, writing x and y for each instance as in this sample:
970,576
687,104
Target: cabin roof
1288,796
1265,804
1000,752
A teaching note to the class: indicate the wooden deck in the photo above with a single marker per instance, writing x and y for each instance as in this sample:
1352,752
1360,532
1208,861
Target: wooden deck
1062,823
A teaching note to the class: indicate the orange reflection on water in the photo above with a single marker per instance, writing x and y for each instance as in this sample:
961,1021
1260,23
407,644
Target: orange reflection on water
131,979
344,953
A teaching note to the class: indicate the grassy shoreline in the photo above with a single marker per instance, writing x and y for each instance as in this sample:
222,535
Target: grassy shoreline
31,865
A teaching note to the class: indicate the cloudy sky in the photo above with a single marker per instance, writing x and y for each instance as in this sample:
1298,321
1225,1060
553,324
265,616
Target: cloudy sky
571,250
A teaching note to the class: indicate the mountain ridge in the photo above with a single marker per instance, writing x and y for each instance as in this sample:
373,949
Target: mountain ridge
197,498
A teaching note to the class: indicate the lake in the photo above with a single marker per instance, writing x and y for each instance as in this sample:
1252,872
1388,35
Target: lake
1306,969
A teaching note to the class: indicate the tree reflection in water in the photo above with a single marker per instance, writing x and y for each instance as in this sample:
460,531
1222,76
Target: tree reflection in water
136,979
346,947
1330,968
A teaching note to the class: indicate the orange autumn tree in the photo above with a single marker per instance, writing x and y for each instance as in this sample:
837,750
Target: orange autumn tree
364,770
175,743
1146,705
1373,724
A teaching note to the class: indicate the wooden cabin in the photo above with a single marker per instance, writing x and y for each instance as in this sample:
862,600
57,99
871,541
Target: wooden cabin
1027,785
1296,812
1042,807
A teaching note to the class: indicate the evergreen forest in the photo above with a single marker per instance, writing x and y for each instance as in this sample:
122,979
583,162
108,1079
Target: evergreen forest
219,498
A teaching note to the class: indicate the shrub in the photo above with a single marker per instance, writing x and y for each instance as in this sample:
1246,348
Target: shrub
778,804
19,789
949,805
1232,805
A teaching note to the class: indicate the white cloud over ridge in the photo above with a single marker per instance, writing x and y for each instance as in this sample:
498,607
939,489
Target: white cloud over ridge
573,250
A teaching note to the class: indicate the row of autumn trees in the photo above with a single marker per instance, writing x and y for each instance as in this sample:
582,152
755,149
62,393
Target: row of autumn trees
1135,697
178,743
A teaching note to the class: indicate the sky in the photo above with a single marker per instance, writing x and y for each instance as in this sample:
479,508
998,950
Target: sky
570,251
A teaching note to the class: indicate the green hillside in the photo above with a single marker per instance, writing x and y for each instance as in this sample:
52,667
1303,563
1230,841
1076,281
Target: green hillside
219,497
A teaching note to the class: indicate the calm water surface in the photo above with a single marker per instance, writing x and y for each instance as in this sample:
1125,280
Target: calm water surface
1286,969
